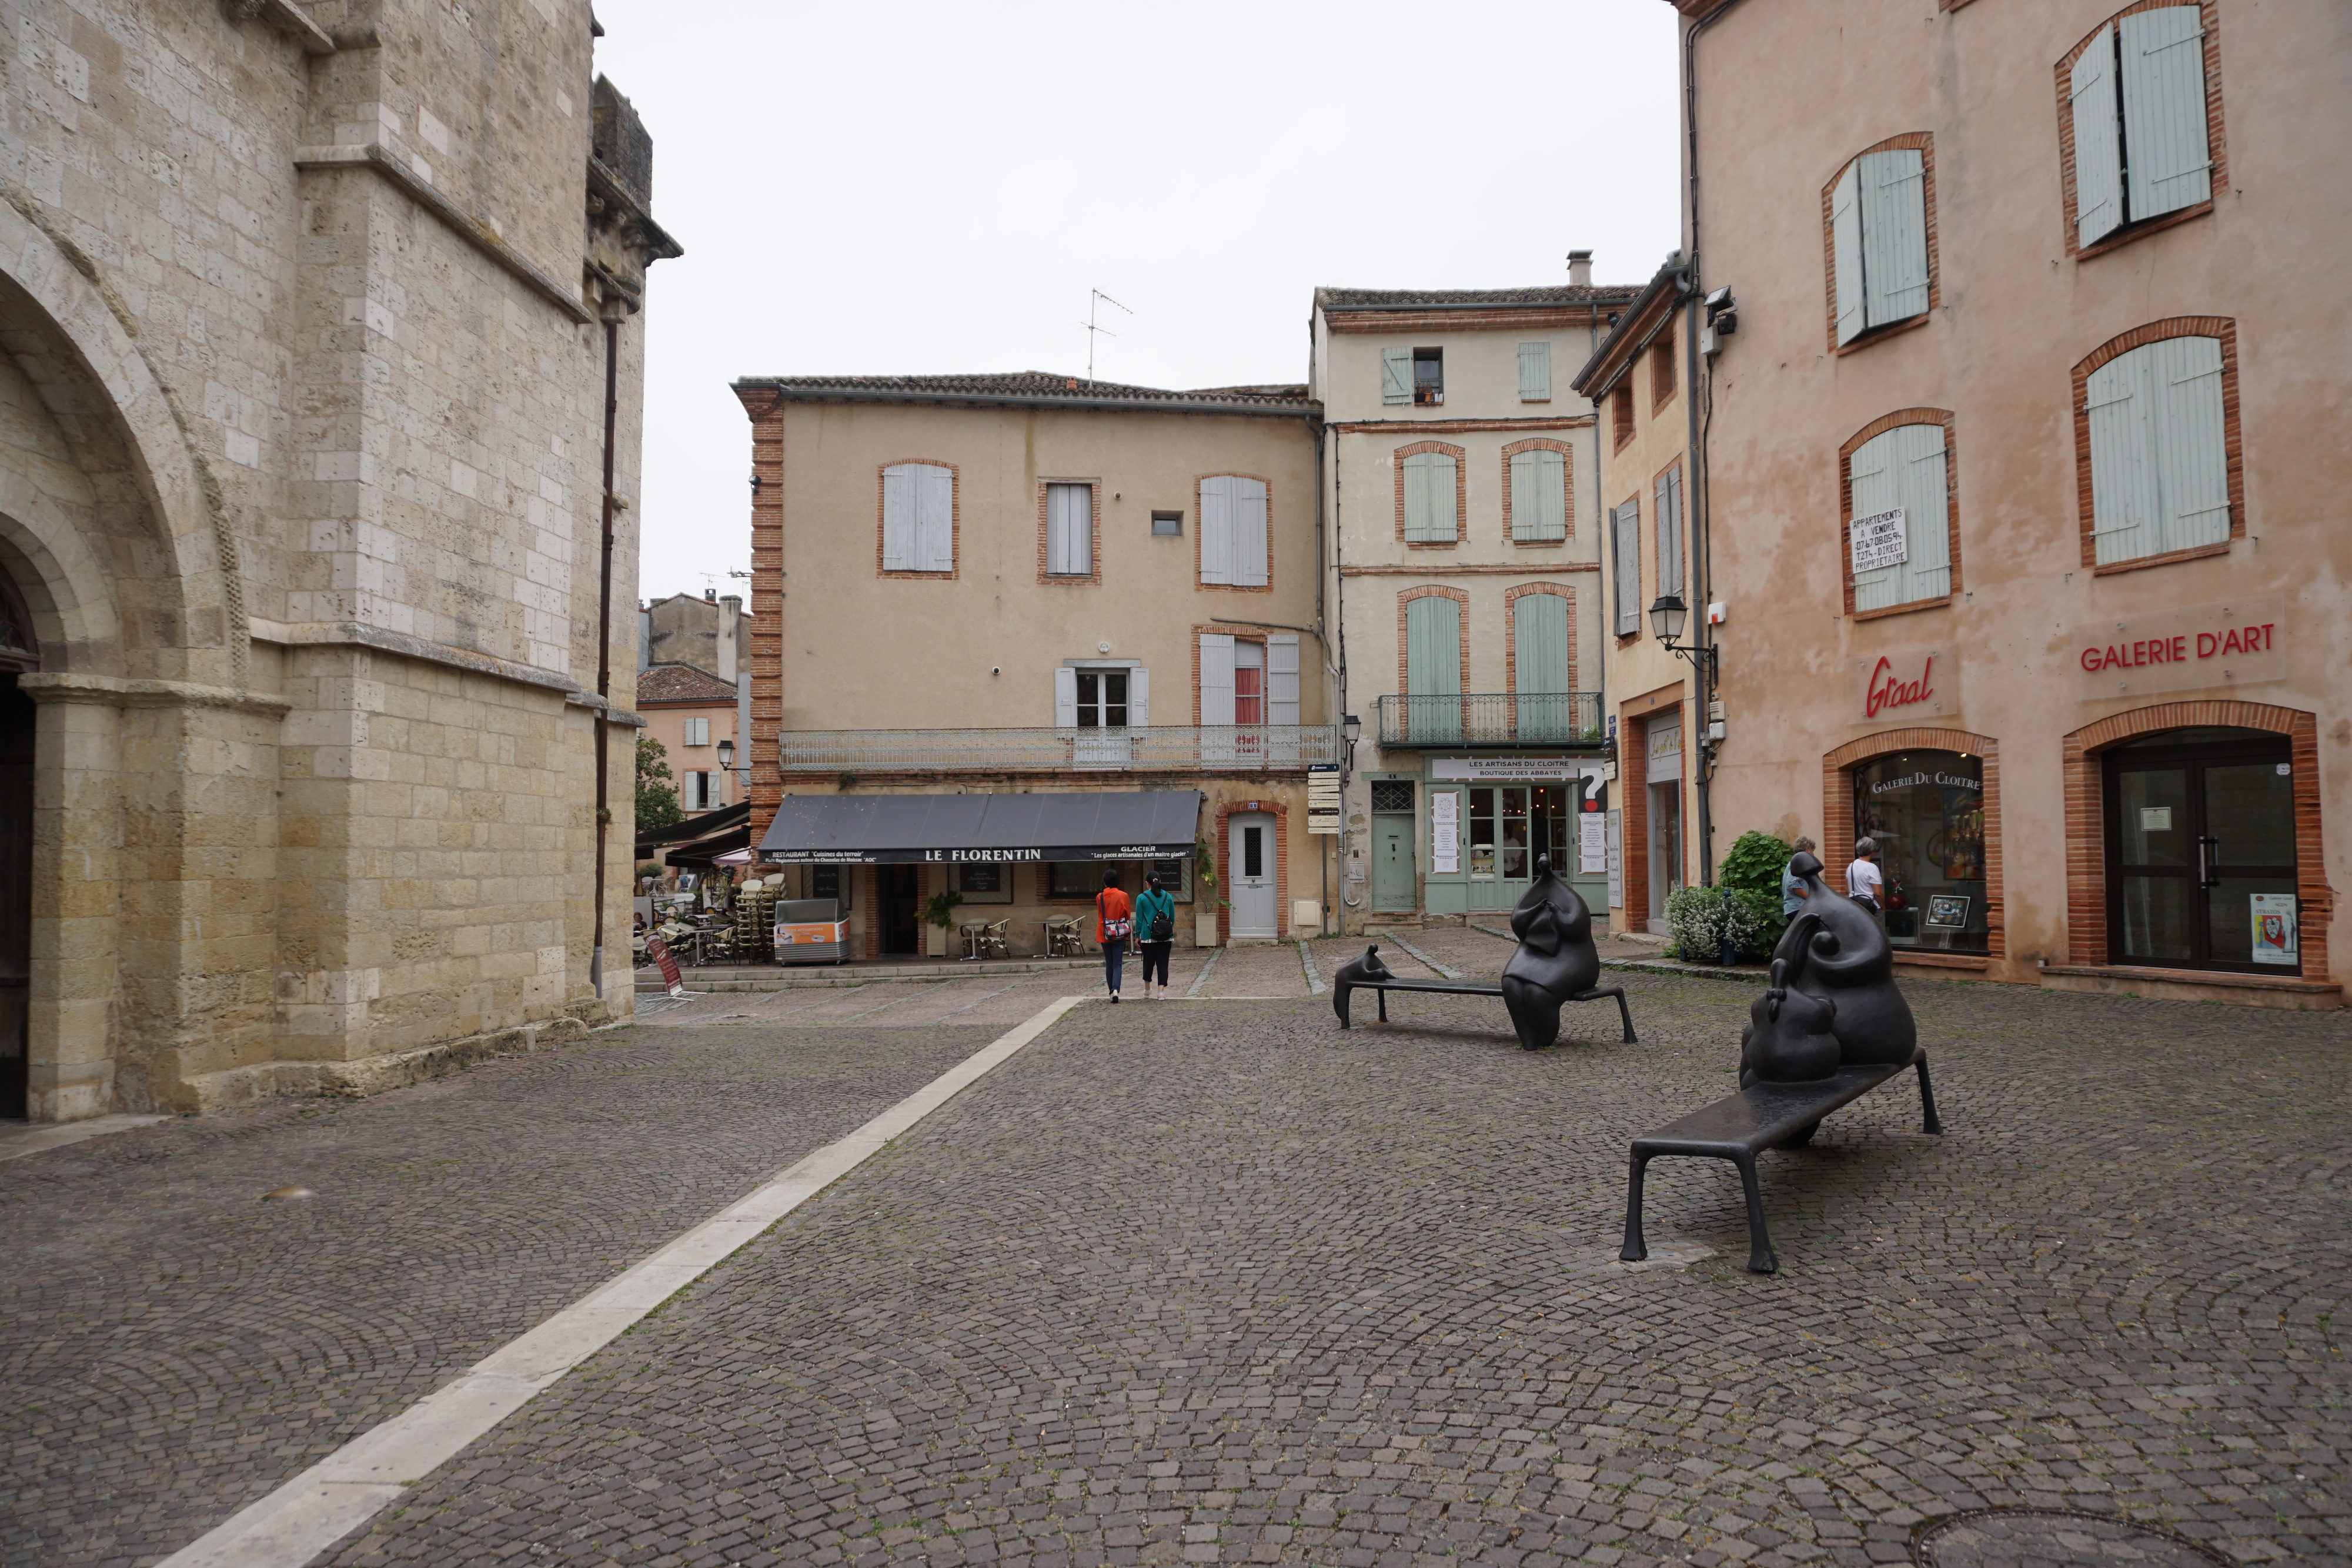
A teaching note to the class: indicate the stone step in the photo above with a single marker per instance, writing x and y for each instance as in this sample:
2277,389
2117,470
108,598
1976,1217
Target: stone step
766,978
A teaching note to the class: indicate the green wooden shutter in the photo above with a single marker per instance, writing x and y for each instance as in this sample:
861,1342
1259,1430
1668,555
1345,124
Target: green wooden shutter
1894,199
1845,246
1433,668
1429,497
2162,56
2192,461
1919,464
2098,152
2124,503
1396,375
1535,373
1539,496
1541,675
1669,514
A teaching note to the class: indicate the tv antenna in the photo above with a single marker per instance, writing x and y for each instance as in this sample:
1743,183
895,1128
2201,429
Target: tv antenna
1093,332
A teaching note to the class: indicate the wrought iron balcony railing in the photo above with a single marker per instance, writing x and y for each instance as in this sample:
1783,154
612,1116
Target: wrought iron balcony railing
1492,718
1170,748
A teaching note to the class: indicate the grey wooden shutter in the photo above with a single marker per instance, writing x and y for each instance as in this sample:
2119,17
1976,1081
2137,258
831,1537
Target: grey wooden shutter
1065,698
1625,555
1216,678
2098,153
2191,454
1217,527
1539,666
2122,408
898,517
1846,247
1432,647
1070,529
1669,513
1538,495
1906,467
1429,484
1894,198
2163,81
1535,373
934,489
1281,678
1249,532
1138,699
1396,375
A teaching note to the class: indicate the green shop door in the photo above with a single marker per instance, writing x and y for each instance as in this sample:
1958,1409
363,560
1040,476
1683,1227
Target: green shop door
1394,889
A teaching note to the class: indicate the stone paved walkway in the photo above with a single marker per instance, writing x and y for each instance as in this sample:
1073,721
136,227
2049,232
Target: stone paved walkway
1214,1283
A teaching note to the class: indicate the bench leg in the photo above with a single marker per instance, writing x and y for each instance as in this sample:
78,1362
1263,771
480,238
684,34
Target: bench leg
1384,1005
1929,1122
1760,1260
1635,1249
1624,1011
1339,994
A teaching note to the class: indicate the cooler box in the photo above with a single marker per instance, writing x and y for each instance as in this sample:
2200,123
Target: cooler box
811,931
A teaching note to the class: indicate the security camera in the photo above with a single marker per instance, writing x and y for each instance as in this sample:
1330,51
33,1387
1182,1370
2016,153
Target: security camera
995,669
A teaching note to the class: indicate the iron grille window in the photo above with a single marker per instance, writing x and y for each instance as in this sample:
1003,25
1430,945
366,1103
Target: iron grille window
1393,795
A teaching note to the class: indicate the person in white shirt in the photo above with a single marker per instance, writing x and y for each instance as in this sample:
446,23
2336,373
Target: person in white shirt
1863,883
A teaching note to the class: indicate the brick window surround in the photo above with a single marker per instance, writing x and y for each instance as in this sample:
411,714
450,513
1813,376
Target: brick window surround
1567,490
1461,493
2086,838
1433,592
1854,443
1511,597
1837,825
1199,529
1662,368
1239,634
2211,18
1621,415
1926,144
1093,535
1280,813
2220,327
955,520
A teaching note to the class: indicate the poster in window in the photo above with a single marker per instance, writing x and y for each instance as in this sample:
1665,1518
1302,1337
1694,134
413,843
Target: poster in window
1444,832
1949,910
2274,927
1591,844
1880,539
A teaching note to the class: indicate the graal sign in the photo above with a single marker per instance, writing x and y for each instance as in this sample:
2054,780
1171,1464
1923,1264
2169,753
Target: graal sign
2234,645
1917,685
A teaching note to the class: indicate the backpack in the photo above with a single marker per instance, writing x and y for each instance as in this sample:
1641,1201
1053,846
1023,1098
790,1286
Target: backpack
1163,924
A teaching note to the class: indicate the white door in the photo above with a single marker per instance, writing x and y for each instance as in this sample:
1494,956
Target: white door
1249,872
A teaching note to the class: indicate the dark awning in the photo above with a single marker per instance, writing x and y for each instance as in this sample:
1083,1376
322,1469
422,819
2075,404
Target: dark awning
867,829
695,827
702,851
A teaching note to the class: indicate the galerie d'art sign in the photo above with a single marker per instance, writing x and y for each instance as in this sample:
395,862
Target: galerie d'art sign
2235,644
1917,685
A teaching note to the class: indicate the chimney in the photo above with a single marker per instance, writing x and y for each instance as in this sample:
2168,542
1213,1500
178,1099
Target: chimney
1580,268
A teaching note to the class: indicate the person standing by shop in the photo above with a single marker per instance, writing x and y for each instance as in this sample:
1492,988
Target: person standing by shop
1792,892
1114,917
1155,933
1863,883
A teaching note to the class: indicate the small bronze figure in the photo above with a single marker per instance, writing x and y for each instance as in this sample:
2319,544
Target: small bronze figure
1836,951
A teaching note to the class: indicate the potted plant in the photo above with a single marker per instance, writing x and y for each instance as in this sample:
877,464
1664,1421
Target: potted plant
940,916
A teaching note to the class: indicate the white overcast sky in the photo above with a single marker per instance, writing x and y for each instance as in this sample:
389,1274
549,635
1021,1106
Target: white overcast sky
914,189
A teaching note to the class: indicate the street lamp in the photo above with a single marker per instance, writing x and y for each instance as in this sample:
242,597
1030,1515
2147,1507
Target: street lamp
1668,616
726,757
1351,729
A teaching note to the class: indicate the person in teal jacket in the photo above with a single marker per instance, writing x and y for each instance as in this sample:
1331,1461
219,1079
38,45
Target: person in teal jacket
1154,905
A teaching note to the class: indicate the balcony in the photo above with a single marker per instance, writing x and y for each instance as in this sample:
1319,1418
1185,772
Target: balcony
1160,749
1492,718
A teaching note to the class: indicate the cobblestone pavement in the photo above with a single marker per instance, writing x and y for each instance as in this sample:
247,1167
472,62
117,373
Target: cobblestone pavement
171,1348
1217,1283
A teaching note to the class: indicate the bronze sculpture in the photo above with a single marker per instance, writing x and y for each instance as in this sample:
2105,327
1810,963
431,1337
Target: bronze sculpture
1836,954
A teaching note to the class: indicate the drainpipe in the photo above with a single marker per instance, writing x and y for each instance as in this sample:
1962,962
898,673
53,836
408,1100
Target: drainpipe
612,311
1340,846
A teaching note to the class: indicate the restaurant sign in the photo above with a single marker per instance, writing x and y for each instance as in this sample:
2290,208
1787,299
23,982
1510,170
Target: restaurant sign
1903,687
2235,644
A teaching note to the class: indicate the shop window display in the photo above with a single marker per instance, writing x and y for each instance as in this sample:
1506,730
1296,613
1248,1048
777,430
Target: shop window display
1926,809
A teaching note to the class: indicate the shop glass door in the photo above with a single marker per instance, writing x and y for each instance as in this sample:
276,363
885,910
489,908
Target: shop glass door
2201,853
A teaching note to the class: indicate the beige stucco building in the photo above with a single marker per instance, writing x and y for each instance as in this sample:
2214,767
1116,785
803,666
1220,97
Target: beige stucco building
1031,585
1465,581
2024,475
306,318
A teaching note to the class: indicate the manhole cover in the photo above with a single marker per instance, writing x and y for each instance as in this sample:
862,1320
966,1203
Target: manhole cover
2053,1538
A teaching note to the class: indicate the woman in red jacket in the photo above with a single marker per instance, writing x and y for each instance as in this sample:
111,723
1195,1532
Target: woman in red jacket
1114,916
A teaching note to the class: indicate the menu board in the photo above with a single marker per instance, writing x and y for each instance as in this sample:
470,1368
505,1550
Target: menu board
1591,844
1444,831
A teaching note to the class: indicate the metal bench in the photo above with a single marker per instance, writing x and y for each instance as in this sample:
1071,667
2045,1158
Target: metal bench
1351,978
1759,1117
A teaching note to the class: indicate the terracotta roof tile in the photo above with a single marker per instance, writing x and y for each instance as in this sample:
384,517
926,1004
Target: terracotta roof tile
1032,386
1544,293
681,683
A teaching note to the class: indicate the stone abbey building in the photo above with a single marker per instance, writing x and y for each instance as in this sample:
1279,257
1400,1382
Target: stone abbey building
319,372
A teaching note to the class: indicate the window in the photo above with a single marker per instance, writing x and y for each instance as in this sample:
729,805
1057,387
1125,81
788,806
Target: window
918,518
697,732
699,792
1395,795
1077,879
1625,556
1175,877
1101,696
1428,376
1167,524
1621,414
1662,367
984,884
1234,535
1925,811
1535,494
1069,531
1535,373
2141,115
2160,434
1249,681
1899,516
1431,496
1433,667
1668,511
1879,259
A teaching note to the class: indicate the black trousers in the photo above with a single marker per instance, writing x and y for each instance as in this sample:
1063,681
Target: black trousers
1155,960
